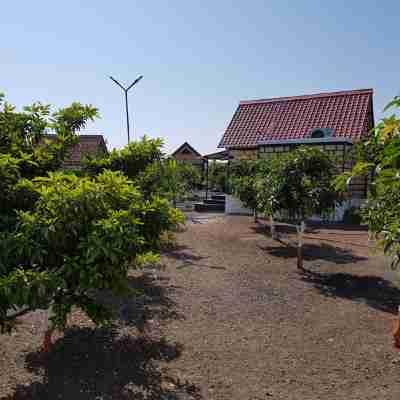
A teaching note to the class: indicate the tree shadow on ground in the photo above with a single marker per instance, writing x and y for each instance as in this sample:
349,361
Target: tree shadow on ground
149,298
374,291
189,259
313,252
314,228
98,364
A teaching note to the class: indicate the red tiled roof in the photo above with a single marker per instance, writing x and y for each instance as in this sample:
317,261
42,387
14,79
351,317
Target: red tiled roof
87,144
348,113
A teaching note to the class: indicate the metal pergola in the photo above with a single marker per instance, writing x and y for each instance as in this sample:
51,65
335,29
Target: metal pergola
218,156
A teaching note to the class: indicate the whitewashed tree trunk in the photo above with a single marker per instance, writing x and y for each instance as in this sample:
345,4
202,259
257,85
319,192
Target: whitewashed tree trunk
272,227
47,339
300,232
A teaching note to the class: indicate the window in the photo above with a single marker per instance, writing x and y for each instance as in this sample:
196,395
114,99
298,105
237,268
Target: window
317,133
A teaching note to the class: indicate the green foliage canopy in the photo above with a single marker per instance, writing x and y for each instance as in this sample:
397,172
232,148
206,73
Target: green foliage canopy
171,179
378,157
245,177
132,160
298,183
217,176
26,152
64,237
82,236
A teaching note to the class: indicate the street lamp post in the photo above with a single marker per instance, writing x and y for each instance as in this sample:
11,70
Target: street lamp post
126,90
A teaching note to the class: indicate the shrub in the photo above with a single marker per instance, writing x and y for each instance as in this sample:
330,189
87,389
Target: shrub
378,157
132,160
82,236
170,179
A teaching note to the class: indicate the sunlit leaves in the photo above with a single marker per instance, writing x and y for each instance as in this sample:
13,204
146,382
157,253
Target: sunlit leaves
246,177
380,158
131,160
84,234
299,184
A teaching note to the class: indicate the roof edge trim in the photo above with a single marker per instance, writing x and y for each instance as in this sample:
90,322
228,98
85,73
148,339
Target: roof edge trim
309,96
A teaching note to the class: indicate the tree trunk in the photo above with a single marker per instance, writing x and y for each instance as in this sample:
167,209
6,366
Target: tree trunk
255,216
272,227
300,231
47,343
396,332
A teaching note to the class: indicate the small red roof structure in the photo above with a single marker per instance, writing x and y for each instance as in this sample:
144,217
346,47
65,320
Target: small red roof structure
186,150
188,154
87,144
348,114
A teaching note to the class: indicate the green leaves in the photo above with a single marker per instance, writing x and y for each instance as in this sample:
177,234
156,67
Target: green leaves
73,118
395,103
170,179
246,179
26,152
132,160
64,237
379,157
82,236
298,184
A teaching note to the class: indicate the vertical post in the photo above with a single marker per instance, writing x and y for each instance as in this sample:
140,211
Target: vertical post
127,114
272,226
207,181
126,90
228,187
300,231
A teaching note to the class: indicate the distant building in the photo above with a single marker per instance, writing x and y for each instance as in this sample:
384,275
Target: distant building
332,122
87,144
186,153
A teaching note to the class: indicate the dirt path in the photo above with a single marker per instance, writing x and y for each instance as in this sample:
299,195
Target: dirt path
254,328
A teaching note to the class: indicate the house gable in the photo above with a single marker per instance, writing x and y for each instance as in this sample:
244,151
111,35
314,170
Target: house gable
186,152
87,144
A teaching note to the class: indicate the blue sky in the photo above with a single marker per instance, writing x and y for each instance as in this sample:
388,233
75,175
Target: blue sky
198,58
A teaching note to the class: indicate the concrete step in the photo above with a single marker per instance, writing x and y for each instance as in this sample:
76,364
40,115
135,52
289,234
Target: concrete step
202,207
218,197
213,201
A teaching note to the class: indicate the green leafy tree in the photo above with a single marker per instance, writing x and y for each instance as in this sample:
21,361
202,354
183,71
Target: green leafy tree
23,134
298,185
191,175
132,160
378,158
217,176
245,175
171,179
82,236
64,237
27,152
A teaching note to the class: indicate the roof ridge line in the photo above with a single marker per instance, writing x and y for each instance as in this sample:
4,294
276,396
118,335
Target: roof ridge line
308,96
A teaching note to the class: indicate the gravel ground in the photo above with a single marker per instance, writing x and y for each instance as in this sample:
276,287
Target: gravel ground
256,328
230,317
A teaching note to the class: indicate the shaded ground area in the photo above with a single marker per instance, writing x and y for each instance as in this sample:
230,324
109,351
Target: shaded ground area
124,361
230,317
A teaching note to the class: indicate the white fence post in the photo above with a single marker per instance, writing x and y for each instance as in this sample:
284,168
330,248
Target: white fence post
300,231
